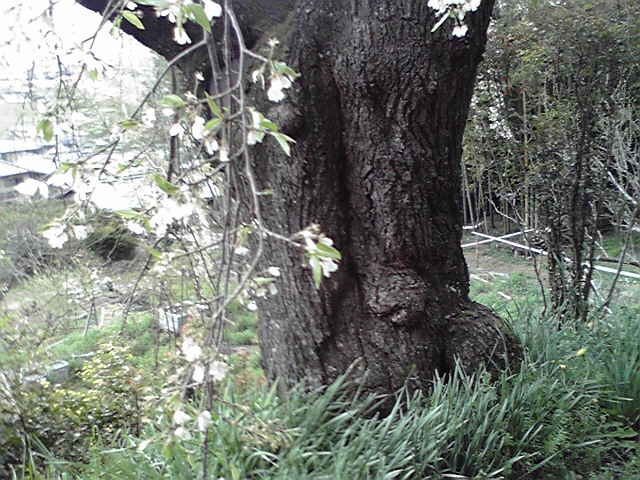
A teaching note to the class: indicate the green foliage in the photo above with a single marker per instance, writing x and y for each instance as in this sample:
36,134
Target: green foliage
66,420
23,251
540,139
110,238
241,330
536,423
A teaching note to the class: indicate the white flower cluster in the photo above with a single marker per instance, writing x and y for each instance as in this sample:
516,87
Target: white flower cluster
281,78
193,354
457,9
176,10
441,6
323,257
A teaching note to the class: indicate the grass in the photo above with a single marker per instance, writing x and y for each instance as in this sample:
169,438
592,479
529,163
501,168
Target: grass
570,411
542,422
242,329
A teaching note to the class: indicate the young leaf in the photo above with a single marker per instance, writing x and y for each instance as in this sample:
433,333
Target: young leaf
199,16
45,126
65,167
284,69
284,141
316,270
269,125
128,214
166,186
172,101
328,251
128,124
215,109
133,19
440,22
213,123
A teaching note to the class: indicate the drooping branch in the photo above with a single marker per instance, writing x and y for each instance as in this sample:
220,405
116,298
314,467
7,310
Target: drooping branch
255,17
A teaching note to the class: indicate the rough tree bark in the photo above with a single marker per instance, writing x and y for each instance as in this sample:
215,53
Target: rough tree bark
378,115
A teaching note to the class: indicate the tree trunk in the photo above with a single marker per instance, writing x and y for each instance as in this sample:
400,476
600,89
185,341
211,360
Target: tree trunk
378,116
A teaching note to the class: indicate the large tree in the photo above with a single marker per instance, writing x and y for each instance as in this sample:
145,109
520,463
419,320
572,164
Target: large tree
378,115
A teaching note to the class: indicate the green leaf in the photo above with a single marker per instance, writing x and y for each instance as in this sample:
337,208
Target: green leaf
128,214
213,123
316,270
172,101
129,123
269,125
45,127
284,69
284,141
440,22
93,74
133,19
328,251
66,166
199,16
166,186
215,109
155,253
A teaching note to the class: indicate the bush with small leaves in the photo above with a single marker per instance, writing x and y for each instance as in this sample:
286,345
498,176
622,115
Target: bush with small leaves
110,238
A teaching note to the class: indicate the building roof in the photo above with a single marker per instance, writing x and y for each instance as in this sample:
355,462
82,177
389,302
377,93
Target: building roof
44,166
13,146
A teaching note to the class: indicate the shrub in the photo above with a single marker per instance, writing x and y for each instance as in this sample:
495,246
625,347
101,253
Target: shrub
110,238
23,251
66,420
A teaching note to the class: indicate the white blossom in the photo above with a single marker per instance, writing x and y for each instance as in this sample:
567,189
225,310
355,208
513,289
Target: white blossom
182,433
224,154
30,187
218,370
176,130
241,251
274,271
198,373
212,9
456,9
171,12
256,133
148,117
180,36
191,350
258,75
180,418
211,145
460,30
197,128
204,420
276,87
56,235
80,231
135,227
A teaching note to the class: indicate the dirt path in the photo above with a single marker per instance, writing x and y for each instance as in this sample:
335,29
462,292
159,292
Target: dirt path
499,259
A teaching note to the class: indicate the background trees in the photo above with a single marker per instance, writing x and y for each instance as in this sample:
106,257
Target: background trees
540,142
